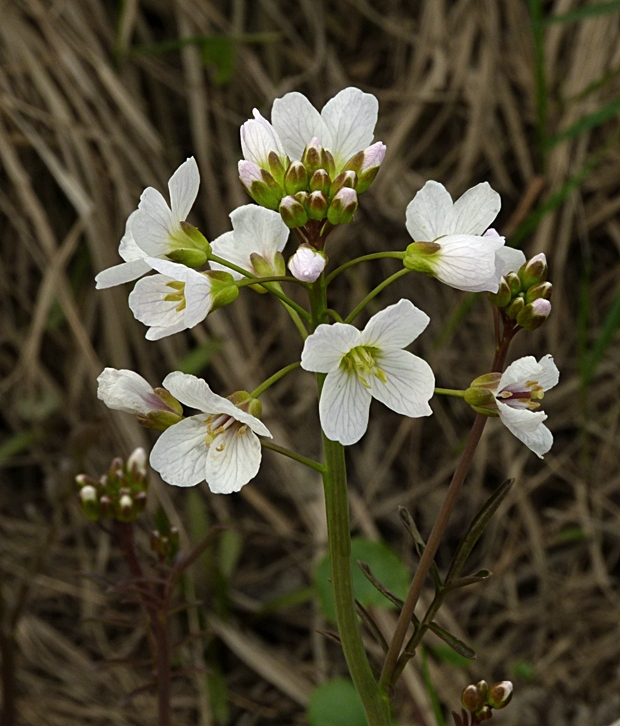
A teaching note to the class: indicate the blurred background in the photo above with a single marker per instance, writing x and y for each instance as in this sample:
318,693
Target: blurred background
99,99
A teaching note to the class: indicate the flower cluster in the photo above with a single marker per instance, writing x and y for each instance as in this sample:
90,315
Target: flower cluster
305,170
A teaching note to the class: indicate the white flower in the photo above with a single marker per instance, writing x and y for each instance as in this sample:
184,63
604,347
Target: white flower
256,231
307,263
175,300
345,126
154,229
468,258
521,387
361,365
219,445
124,390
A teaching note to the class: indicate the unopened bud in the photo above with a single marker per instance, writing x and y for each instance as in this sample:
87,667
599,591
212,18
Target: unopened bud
343,206
224,291
311,158
276,167
83,479
316,205
500,695
125,504
139,501
534,315
344,179
106,507
260,185
293,212
514,283
90,503
296,178
373,158
472,699
88,494
189,257
320,181
533,271
328,163
137,461
307,264
542,290
482,686
503,295
515,307
485,713
196,237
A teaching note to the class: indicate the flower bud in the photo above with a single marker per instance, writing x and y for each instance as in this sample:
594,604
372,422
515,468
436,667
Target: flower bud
106,507
485,713
296,178
276,168
224,291
188,256
260,185
482,686
196,237
373,158
328,163
169,400
500,695
515,307
320,181
542,290
136,462
292,212
532,316
533,271
311,158
472,699
343,206
83,479
503,295
514,283
344,179
307,264
316,205
125,504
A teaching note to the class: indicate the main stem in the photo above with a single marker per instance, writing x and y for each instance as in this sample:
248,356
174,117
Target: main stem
375,700
415,589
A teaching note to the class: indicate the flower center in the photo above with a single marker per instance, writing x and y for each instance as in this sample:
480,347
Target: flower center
522,395
178,295
362,361
218,424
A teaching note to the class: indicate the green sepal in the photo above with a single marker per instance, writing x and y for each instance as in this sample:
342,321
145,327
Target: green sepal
418,257
276,168
169,400
159,420
190,257
503,296
296,178
224,290
197,238
542,290
515,307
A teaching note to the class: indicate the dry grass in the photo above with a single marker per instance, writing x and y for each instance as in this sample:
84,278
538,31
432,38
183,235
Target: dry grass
86,122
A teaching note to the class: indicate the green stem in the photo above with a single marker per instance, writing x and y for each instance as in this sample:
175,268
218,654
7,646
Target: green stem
272,278
266,444
364,258
274,379
335,315
301,328
373,293
272,288
449,392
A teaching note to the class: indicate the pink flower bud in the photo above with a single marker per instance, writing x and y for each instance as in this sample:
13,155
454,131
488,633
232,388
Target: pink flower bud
373,156
307,264
249,172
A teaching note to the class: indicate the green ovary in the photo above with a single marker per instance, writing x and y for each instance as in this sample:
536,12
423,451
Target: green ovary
362,361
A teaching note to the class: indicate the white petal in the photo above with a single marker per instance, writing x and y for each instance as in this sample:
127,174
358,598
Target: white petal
531,431
224,246
297,122
258,230
522,370
410,383
474,211
183,187
344,407
125,390
125,272
395,327
510,259
157,333
467,263
153,224
427,211
180,453
258,138
351,117
198,299
173,270
196,393
128,249
234,458
148,305
324,349
550,374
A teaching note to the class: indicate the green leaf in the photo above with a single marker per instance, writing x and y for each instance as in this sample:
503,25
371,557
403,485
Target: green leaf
230,549
524,669
218,695
445,654
476,528
385,564
456,644
586,123
589,11
470,580
336,703
199,358
219,51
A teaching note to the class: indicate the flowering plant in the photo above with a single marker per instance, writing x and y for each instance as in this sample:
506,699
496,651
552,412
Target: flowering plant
305,170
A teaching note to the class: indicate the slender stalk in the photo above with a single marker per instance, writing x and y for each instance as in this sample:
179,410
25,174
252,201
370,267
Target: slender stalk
428,556
266,444
450,392
274,379
271,278
373,293
301,328
363,258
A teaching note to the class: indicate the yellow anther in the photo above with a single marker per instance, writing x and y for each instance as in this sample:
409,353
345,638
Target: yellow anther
174,297
176,285
241,430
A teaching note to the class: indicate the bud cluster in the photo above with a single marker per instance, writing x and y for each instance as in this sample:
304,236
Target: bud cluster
480,700
524,295
120,494
310,189
165,543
